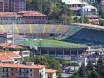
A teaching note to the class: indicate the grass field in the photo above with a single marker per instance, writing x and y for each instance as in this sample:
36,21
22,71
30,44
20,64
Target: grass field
49,43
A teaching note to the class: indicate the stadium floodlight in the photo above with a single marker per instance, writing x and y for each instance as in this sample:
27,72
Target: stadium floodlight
13,18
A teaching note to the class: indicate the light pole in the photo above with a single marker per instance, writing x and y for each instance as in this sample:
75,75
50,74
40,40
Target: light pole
13,18
82,12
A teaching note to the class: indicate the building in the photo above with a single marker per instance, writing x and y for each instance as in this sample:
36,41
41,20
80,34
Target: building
92,54
6,37
9,57
75,6
23,17
89,0
12,5
25,71
93,19
102,5
89,9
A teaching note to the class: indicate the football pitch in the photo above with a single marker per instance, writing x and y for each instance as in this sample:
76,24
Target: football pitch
49,43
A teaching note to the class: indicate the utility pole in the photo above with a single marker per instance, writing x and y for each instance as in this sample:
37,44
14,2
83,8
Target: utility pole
82,12
13,17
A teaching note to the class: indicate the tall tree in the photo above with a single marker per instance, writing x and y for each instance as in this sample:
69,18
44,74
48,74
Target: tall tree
100,66
94,74
89,66
81,71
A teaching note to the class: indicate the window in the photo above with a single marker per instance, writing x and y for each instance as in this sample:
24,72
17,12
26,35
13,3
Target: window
12,73
30,69
12,68
30,74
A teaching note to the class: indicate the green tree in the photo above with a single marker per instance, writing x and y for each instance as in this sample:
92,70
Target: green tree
29,5
101,22
56,65
100,66
85,20
40,60
81,71
94,74
90,66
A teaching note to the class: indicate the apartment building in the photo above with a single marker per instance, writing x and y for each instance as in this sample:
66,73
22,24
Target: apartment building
29,70
23,17
12,5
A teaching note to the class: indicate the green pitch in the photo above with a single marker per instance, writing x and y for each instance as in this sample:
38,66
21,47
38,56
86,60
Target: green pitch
50,43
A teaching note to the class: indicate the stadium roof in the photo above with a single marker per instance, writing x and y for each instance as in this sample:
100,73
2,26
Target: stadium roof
89,25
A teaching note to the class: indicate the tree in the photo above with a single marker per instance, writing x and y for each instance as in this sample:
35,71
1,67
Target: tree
81,71
100,66
89,66
85,20
94,74
29,5
40,60
56,65
101,22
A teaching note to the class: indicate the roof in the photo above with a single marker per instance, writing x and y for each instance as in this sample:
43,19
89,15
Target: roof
21,66
75,8
21,14
74,2
5,57
10,45
10,54
50,71
89,7
92,16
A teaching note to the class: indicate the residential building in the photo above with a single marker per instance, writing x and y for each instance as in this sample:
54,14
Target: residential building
12,5
6,37
92,54
1,6
102,5
9,57
23,17
29,70
75,6
93,19
89,9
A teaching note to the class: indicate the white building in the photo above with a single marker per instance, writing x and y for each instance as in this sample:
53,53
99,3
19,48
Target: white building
77,6
92,55
89,9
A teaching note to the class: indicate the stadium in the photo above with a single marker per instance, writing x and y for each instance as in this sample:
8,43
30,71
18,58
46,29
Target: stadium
56,39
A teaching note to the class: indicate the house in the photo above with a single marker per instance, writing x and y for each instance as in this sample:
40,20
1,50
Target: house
30,70
93,19
89,9
75,6
92,54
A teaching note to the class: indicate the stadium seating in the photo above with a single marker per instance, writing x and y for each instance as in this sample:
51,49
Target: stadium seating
84,35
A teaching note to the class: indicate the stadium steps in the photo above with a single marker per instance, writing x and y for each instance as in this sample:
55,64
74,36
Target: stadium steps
74,30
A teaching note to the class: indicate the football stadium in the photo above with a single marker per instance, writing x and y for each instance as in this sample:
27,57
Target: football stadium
56,39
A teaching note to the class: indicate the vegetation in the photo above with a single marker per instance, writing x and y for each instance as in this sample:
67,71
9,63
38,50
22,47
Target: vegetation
90,71
54,9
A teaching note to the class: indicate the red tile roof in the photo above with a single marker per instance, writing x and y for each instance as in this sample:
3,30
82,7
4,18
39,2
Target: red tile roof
50,71
8,56
21,14
5,57
10,45
21,66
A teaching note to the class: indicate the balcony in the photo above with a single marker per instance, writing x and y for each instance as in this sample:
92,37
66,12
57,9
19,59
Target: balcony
5,75
5,71
23,71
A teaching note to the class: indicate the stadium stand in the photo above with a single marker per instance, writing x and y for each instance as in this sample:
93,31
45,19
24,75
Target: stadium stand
84,35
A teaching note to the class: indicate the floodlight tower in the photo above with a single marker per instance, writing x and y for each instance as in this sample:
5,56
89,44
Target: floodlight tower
13,18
